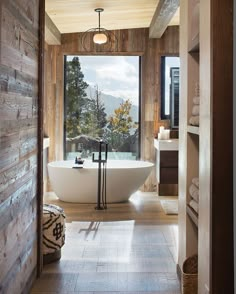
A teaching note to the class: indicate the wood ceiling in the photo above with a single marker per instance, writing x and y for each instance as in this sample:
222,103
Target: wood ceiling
71,16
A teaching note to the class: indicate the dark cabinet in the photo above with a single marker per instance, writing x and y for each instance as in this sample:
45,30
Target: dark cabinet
167,167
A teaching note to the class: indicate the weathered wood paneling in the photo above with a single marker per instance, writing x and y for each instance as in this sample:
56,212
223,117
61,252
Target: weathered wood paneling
19,47
24,263
54,107
130,42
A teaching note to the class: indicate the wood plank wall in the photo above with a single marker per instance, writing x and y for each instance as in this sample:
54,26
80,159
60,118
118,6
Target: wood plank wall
54,101
130,42
19,44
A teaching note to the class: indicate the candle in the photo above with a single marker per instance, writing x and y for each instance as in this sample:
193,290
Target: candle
166,134
161,129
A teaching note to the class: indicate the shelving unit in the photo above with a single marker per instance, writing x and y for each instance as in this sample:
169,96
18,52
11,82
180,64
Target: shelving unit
206,57
192,160
189,134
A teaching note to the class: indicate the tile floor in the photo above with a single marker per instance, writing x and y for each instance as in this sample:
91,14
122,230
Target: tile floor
125,257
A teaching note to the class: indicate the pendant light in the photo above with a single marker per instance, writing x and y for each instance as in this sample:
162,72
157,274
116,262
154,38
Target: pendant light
103,39
99,37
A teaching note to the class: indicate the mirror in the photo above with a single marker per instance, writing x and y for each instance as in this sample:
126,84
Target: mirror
170,66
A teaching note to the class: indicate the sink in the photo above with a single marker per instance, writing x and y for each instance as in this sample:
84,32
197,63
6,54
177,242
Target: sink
168,145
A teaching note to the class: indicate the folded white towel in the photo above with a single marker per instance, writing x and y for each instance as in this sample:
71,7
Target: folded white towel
195,181
197,89
194,205
195,110
196,100
194,192
194,120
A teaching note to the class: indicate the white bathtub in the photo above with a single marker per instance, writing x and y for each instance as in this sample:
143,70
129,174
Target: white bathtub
124,177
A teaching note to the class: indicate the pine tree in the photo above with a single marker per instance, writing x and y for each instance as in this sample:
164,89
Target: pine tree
96,117
99,113
76,98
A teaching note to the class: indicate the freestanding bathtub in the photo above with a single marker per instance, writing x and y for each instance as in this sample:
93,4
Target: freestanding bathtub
124,177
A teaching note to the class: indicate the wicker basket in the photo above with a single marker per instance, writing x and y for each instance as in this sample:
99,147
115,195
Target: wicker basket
190,275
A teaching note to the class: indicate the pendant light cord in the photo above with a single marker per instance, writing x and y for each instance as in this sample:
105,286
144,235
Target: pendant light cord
99,21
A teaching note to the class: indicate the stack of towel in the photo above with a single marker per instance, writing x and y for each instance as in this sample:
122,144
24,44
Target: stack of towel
194,119
194,193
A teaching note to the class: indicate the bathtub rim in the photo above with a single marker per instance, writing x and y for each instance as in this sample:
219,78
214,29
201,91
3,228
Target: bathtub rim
70,164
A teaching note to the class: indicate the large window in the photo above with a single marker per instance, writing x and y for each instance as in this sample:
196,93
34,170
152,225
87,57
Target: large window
102,103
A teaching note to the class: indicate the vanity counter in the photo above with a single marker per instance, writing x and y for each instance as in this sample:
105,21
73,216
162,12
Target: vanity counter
167,145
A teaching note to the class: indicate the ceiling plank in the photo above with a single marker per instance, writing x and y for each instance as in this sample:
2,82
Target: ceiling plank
52,34
165,11
73,16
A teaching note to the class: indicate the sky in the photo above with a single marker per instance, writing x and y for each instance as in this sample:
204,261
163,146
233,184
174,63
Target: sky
115,75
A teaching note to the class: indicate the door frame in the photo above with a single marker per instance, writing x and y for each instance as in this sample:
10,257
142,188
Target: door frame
40,136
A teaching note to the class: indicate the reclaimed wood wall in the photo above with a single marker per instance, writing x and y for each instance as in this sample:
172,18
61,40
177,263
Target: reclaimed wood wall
130,42
53,106
54,100
19,46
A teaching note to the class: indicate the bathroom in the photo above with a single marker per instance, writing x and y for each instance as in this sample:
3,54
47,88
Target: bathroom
32,114
149,124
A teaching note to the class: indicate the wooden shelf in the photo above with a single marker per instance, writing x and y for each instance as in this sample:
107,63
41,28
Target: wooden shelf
194,45
194,26
193,130
189,135
192,214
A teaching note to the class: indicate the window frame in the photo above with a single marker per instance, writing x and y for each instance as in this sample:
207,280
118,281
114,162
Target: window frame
138,156
164,116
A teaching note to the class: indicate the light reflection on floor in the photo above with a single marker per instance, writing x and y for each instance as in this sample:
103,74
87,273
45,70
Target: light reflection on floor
124,256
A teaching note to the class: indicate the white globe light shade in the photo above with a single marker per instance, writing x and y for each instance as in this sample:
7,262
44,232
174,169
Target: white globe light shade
99,38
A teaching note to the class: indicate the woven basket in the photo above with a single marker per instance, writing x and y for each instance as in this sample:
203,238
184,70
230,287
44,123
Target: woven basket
190,275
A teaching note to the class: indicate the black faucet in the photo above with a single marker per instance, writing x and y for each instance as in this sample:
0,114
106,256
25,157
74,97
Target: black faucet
101,186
